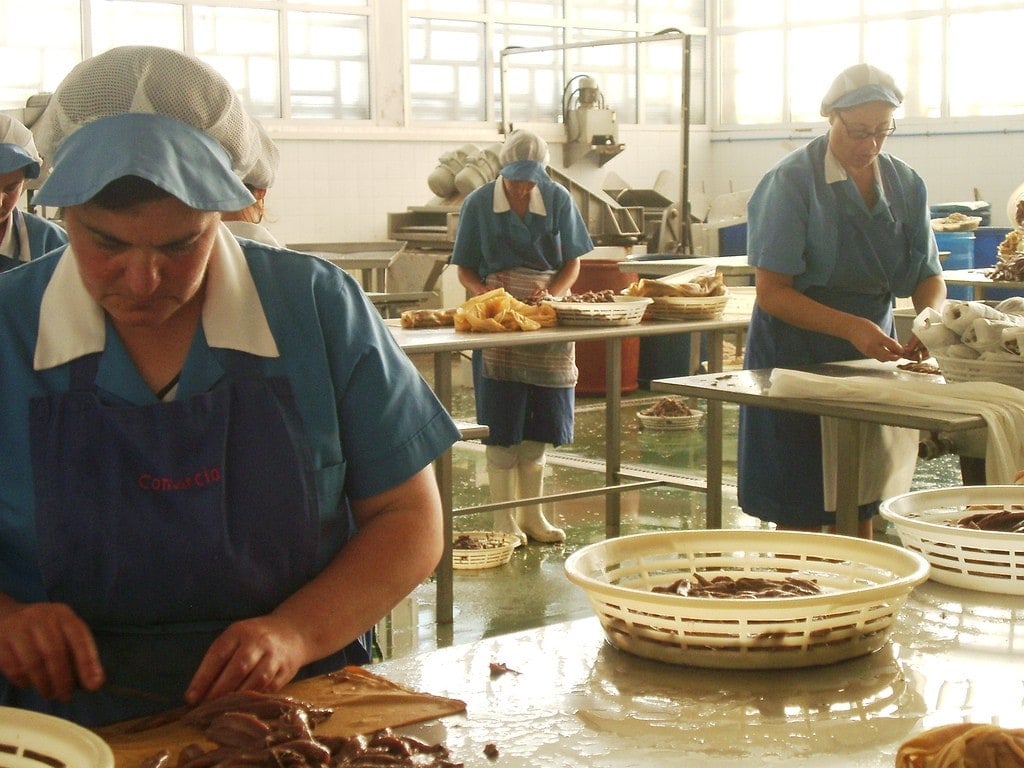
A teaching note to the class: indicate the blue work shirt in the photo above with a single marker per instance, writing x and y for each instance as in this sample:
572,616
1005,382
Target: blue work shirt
493,238
29,237
793,219
370,420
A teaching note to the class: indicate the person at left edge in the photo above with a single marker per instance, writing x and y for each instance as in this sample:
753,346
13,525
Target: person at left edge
215,462
23,236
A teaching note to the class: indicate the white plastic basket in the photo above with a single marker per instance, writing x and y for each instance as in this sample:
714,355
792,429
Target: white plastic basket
497,550
34,740
691,422
687,307
955,369
864,584
624,310
987,561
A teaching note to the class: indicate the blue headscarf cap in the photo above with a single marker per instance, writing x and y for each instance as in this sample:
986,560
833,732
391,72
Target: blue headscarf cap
524,170
13,157
183,161
860,84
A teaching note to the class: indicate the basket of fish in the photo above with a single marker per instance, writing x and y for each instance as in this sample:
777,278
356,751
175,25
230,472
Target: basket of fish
746,599
972,536
473,550
599,308
670,413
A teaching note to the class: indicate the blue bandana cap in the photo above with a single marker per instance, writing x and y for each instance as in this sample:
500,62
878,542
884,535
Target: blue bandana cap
17,148
524,170
860,84
183,161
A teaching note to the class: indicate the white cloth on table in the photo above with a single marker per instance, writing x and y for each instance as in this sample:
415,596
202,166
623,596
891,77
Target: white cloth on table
931,332
960,352
1000,405
985,334
888,458
999,355
958,315
1012,305
1012,340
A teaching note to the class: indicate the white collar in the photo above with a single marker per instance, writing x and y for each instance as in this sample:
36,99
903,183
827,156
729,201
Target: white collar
501,204
72,324
15,240
834,170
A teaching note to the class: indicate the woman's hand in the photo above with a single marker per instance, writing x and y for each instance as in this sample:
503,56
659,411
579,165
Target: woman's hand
47,646
872,342
915,350
262,654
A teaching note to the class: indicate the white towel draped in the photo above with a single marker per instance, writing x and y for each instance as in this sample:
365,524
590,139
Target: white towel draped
1000,405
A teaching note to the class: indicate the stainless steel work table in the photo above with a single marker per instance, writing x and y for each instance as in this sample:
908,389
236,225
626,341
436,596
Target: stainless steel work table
442,342
979,282
370,259
953,656
751,388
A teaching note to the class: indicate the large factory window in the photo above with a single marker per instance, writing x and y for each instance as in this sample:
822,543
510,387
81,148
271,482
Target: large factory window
289,59
776,58
642,82
334,60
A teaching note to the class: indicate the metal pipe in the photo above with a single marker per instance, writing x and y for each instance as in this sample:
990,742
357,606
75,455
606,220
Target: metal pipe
685,245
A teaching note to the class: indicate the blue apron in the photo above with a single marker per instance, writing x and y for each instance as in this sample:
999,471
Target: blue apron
161,524
779,454
538,403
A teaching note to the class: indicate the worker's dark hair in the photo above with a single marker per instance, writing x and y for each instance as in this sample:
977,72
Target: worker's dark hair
126,192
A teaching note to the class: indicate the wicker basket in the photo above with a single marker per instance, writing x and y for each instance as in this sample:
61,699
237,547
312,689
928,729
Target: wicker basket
955,369
34,740
687,307
497,550
691,422
987,561
624,310
864,584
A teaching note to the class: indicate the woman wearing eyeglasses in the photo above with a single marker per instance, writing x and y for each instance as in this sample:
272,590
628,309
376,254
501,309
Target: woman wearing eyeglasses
836,230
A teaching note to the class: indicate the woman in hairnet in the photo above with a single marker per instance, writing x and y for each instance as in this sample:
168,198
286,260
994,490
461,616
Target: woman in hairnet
522,232
836,230
23,236
217,463
248,222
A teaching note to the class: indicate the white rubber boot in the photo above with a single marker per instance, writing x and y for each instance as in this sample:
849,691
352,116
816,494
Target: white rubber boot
503,488
531,516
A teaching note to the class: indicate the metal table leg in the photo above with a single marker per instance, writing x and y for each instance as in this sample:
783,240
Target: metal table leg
713,440
443,467
848,436
613,434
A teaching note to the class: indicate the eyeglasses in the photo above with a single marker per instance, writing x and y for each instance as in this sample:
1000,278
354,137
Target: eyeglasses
860,135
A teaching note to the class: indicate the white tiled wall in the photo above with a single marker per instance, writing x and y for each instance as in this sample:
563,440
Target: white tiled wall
951,166
342,190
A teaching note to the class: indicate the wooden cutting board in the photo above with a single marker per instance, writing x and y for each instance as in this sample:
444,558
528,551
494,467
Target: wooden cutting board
362,703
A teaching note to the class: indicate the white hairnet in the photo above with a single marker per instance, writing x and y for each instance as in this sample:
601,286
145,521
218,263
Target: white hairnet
524,145
860,84
156,80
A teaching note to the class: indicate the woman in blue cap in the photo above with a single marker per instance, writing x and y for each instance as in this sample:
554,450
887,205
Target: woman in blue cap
216,467
836,230
522,232
23,236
